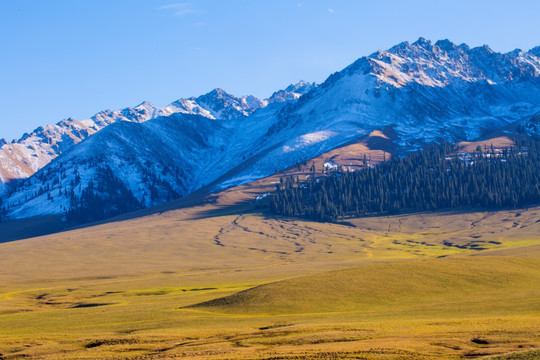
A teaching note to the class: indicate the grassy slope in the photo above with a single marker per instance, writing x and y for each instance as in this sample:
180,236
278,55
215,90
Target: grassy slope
466,285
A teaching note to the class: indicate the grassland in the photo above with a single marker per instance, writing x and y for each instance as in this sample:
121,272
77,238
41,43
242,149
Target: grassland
214,279
446,285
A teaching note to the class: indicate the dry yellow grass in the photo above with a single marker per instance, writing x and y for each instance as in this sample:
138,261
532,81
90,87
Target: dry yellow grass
421,286
118,290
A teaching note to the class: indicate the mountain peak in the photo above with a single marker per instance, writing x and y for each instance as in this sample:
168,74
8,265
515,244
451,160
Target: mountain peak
291,92
464,47
535,51
402,46
484,49
145,104
219,93
300,87
446,45
222,105
422,42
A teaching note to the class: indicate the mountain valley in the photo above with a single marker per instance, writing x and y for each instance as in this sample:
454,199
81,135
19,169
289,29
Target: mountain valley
145,233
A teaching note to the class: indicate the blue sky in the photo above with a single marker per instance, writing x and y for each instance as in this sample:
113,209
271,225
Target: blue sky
62,58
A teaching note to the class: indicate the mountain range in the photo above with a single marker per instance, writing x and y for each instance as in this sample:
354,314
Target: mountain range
21,158
118,161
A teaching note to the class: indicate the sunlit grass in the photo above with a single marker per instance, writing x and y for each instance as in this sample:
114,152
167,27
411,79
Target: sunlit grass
404,287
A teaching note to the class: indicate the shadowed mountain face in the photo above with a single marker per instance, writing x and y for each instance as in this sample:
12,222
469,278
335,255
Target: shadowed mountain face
424,91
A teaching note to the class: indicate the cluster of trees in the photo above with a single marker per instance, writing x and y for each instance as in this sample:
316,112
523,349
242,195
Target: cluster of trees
427,180
532,125
104,198
157,184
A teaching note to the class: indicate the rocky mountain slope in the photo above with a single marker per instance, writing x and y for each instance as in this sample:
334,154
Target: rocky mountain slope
22,158
423,92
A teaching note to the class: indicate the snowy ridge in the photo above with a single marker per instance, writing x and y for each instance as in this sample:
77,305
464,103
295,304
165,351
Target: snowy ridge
535,51
447,90
22,158
291,92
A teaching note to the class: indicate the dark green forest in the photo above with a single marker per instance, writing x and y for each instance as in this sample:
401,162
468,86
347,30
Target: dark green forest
436,178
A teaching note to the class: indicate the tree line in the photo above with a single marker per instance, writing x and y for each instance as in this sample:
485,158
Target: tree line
435,178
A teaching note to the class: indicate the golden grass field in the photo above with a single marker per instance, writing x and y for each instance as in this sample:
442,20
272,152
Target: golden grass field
221,281
376,290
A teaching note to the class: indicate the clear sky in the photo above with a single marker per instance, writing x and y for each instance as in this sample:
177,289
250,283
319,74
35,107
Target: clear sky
62,58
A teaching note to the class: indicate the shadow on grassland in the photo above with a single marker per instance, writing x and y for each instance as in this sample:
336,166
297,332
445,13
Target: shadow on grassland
31,227
50,224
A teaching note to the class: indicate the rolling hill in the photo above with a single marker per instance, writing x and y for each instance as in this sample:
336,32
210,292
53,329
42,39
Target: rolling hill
468,284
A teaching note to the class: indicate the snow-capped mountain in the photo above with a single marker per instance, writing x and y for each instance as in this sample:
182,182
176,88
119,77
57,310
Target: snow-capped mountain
425,91
217,104
131,165
22,158
292,92
144,162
